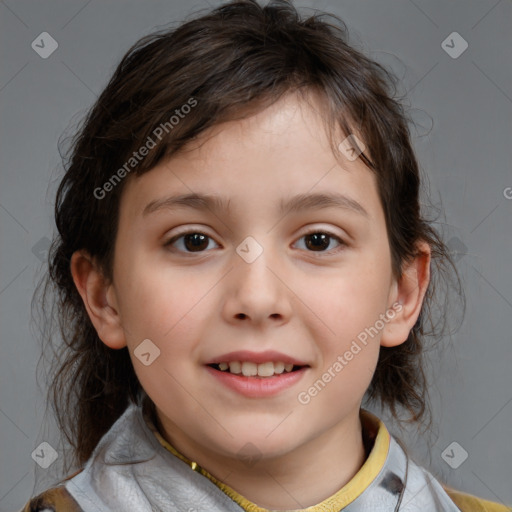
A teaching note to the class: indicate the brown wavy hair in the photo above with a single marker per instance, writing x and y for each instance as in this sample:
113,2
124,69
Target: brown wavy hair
234,60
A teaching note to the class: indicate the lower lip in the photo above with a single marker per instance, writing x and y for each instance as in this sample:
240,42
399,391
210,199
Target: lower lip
258,387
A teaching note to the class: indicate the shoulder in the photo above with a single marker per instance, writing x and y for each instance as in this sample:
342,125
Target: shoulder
55,499
470,503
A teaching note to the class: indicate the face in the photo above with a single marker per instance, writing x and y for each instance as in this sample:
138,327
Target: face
201,280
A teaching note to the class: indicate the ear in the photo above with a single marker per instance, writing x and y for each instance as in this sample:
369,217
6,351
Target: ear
407,295
99,299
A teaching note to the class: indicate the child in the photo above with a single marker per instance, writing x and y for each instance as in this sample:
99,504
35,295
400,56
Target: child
241,258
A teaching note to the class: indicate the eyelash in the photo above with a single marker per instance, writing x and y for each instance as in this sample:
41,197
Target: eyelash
312,232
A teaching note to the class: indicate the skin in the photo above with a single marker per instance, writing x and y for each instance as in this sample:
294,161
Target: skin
303,302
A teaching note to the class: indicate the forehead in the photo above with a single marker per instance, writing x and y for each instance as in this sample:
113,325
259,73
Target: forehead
267,158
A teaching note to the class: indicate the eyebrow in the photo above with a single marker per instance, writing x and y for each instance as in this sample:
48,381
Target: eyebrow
204,202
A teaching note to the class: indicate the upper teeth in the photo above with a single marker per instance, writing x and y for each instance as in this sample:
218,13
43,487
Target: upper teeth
249,369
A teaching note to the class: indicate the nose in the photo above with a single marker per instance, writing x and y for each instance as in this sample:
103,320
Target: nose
258,292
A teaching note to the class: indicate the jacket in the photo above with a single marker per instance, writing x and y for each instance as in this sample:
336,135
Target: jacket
134,469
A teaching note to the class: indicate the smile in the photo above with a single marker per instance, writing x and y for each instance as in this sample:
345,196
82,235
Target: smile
250,369
255,385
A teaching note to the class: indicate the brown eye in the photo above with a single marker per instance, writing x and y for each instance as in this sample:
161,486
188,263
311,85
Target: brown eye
190,242
319,241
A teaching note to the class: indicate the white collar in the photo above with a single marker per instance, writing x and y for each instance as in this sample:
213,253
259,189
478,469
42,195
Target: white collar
131,470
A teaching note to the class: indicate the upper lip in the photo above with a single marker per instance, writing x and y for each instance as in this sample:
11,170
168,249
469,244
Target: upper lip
256,357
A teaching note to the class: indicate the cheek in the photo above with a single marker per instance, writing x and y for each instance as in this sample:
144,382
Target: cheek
354,301
352,306
159,301
348,357
349,384
341,383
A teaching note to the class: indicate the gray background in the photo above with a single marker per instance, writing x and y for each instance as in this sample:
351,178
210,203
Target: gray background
466,155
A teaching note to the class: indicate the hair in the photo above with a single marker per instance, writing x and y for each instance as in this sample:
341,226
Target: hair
233,61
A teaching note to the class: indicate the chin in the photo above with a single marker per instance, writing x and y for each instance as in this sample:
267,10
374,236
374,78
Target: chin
261,447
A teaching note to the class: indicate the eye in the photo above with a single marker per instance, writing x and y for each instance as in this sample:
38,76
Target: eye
196,241
191,241
318,241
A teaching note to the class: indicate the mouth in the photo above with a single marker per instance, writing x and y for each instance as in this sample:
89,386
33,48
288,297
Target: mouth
257,380
262,370
257,374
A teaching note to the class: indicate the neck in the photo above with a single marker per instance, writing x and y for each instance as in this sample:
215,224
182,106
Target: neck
305,477
308,476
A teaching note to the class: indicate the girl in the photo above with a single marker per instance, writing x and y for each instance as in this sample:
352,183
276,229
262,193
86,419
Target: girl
241,259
